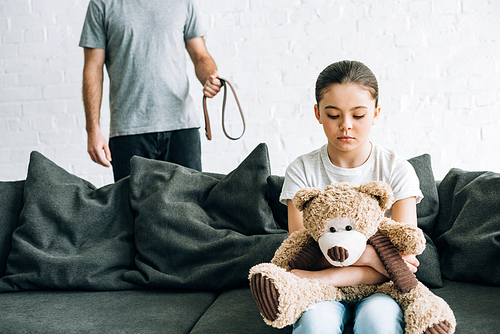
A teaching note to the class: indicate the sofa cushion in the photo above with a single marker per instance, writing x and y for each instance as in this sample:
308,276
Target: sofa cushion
429,271
70,235
280,211
196,231
11,205
467,233
428,208
103,312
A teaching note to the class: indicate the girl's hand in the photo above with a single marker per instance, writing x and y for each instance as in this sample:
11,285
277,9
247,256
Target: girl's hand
411,261
371,259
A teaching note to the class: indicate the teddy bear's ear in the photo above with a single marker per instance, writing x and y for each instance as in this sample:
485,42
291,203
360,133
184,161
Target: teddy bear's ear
381,191
304,196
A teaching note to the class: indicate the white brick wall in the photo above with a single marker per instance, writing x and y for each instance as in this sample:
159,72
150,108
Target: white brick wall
437,61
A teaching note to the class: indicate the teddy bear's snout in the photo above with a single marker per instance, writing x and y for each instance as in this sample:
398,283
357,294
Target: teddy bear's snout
341,243
338,254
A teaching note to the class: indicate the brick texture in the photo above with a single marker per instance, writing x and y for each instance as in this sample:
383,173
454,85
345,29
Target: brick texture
438,65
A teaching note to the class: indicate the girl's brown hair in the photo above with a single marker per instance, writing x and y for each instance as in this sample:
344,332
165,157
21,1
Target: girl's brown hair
347,72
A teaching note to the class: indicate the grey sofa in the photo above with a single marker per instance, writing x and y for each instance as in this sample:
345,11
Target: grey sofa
167,250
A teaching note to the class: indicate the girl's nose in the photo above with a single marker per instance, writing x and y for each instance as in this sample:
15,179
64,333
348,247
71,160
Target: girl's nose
346,124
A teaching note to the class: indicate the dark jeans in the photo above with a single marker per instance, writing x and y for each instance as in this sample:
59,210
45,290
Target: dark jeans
182,147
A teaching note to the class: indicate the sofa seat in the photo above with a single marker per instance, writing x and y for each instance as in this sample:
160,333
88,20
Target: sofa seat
476,306
126,311
132,311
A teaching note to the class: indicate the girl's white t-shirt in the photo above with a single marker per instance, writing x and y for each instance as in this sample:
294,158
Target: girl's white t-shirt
315,169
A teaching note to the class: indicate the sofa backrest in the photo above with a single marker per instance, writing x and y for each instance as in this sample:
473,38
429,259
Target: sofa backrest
11,204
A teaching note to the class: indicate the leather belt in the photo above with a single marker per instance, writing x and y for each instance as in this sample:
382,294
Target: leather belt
208,131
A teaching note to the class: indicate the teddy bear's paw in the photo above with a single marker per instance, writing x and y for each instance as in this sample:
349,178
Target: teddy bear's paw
443,327
266,296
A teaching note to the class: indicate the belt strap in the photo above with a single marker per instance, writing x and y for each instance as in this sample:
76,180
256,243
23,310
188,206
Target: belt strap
208,131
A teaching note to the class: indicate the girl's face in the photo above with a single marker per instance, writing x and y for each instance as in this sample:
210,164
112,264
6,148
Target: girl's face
347,113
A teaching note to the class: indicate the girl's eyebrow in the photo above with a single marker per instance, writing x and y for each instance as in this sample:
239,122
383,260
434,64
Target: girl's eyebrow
359,107
337,108
332,107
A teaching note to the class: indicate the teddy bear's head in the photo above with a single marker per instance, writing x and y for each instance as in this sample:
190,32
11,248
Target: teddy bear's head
342,217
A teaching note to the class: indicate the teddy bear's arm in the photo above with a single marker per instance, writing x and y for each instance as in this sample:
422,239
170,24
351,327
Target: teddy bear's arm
307,257
391,239
404,280
296,251
408,239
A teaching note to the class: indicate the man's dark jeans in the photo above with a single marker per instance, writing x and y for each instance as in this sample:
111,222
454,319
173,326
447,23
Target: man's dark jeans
182,147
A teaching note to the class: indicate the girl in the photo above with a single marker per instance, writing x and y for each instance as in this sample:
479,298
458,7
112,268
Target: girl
347,107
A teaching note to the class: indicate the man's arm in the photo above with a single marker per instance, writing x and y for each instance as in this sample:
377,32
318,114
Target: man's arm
204,66
93,75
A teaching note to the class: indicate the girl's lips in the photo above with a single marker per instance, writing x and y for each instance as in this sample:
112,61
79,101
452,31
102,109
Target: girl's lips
345,138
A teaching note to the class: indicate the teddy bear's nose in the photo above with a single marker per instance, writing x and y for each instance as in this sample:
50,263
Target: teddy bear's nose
338,254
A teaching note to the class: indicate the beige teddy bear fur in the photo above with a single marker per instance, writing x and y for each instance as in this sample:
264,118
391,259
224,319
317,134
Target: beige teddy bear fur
344,212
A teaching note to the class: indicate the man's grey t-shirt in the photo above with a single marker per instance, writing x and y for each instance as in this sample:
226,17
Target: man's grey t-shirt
146,61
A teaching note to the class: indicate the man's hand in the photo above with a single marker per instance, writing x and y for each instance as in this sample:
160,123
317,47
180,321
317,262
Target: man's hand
98,148
212,86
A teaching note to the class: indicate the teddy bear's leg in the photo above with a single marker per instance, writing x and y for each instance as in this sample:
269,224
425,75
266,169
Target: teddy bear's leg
430,315
425,313
266,296
282,297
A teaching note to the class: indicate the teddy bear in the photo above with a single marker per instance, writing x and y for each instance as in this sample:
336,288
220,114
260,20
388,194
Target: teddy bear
339,221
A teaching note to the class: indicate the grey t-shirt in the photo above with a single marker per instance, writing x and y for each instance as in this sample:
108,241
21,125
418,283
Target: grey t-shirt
146,61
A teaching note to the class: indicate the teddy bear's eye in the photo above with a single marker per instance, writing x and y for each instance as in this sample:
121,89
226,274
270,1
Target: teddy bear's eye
333,230
348,228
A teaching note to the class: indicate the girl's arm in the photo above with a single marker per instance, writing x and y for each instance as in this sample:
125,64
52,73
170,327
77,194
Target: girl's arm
344,276
405,211
294,218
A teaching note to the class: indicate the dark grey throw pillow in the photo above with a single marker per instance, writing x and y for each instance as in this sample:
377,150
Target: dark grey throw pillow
11,203
197,231
429,271
428,208
280,211
467,232
70,235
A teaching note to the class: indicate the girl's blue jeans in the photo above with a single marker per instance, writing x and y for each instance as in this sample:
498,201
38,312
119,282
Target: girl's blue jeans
375,314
